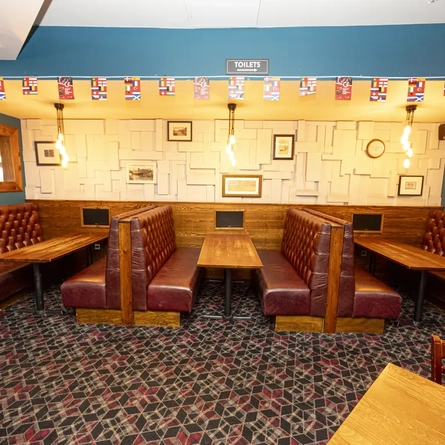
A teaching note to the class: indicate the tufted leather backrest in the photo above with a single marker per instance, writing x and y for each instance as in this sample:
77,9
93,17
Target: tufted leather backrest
152,243
113,267
347,273
306,244
434,238
19,226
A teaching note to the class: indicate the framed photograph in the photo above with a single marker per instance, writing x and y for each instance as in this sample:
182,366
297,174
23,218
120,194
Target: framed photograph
179,131
283,146
47,153
141,172
242,186
410,185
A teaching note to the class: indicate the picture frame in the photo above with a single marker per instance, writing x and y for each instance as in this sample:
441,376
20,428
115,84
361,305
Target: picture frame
410,185
179,131
283,146
242,186
47,153
141,173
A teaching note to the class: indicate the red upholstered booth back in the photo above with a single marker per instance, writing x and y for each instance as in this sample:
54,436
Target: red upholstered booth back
113,267
347,273
19,226
306,244
434,238
153,242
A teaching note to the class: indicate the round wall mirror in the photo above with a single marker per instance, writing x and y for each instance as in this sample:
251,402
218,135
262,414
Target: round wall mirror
375,148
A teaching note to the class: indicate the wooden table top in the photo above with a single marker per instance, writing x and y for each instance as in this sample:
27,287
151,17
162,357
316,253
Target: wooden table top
54,248
229,250
400,407
404,254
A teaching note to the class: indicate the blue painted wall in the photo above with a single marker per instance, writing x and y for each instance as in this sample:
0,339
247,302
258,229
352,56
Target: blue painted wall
13,197
392,51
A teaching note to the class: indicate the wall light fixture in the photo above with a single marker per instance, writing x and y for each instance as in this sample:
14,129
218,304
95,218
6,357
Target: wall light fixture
406,136
60,143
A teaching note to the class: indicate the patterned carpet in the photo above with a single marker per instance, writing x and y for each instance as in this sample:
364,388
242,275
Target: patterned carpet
209,382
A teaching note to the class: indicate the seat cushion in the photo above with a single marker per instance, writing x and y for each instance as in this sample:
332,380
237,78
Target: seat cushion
176,284
282,291
87,288
374,299
14,277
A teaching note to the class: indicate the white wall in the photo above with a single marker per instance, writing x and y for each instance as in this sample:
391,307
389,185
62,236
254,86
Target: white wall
330,164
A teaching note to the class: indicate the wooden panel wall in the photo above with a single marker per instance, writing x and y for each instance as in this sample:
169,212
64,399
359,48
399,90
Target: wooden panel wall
264,222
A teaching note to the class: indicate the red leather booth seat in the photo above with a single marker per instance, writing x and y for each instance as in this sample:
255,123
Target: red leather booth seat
19,227
98,286
164,278
361,294
434,238
294,281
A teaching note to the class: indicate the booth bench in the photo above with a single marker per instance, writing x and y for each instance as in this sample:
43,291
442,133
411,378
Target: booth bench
313,284
19,227
145,279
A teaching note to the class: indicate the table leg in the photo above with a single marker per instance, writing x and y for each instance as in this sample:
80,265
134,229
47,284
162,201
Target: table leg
371,262
420,298
90,254
228,299
38,285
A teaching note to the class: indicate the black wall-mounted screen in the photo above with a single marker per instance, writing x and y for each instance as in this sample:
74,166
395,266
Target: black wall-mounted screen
370,222
96,217
229,220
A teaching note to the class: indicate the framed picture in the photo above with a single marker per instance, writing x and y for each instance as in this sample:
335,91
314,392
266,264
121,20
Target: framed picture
141,172
47,153
179,131
283,146
410,185
242,186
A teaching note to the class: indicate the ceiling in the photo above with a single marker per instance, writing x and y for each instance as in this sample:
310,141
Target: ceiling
18,16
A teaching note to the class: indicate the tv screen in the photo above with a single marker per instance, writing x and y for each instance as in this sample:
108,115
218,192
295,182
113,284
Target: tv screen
229,219
370,222
96,217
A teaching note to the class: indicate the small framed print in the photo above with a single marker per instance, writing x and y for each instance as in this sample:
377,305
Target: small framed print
179,131
141,172
242,186
47,153
283,146
410,185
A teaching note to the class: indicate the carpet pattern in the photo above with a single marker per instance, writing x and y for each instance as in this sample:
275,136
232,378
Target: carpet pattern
209,382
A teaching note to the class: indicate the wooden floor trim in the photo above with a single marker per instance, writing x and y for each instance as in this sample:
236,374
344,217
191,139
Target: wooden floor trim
99,316
157,318
298,323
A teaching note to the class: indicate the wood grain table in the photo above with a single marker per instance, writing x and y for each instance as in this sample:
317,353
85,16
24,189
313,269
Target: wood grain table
51,250
229,250
408,256
400,407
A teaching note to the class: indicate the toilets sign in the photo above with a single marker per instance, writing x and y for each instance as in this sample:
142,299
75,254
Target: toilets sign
247,66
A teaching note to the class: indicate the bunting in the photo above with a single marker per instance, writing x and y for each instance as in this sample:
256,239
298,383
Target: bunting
271,88
167,86
343,88
379,88
66,89
308,86
416,89
99,88
132,88
201,88
236,88
29,86
2,89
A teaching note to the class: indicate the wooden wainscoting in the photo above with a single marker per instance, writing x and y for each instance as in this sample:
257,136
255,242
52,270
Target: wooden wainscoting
263,222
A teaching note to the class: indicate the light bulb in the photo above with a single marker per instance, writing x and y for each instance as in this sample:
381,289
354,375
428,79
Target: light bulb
233,162
228,149
409,152
406,163
60,136
232,139
59,144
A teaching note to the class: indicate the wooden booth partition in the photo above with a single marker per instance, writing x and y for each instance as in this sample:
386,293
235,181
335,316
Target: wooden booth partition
263,222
